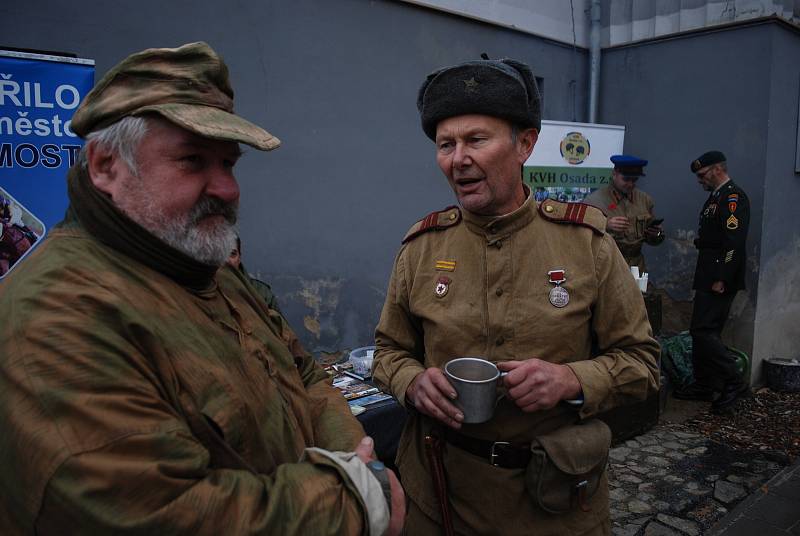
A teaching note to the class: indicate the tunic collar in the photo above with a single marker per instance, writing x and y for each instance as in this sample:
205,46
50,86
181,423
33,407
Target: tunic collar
720,187
619,196
493,226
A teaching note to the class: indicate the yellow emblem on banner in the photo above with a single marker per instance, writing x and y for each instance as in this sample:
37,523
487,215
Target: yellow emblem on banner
732,223
575,148
446,266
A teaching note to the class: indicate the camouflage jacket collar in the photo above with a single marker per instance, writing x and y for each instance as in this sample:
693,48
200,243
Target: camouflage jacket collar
100,217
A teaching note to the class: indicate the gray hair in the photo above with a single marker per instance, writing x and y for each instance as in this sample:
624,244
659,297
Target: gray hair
122,138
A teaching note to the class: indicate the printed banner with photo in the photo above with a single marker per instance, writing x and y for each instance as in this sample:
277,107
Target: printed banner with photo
571,160
19,232
38,95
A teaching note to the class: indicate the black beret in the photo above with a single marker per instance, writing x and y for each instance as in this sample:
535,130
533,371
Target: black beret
707,159
501,88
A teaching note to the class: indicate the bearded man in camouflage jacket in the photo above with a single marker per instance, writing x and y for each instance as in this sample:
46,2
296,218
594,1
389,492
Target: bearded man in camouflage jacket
143,388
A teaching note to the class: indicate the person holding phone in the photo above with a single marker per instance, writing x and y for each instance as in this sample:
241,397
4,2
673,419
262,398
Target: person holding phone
629,210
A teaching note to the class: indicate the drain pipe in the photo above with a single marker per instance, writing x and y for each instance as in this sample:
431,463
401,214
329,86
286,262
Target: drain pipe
594,60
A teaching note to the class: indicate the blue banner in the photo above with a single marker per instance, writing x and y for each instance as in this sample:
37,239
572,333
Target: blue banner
38,95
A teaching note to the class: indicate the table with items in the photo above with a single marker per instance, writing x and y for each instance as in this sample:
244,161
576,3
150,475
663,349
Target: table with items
380,414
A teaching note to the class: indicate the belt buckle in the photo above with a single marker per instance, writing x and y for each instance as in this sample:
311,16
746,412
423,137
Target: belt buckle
493,455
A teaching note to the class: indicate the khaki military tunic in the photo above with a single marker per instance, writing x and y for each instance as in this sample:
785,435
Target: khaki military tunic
496,304
638,208
114,380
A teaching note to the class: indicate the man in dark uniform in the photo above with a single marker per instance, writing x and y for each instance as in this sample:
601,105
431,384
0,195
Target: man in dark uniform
718,276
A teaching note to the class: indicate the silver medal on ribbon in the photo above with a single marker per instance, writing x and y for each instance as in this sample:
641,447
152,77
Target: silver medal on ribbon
559,297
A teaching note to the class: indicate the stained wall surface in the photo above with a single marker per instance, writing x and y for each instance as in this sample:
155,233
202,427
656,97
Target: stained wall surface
736,90
336,81
322,216
777,321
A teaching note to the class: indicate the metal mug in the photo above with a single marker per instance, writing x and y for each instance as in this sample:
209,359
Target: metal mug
475,382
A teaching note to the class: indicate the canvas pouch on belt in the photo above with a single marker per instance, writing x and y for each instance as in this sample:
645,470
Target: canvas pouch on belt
567,465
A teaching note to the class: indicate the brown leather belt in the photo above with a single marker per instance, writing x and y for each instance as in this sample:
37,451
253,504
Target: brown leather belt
497,453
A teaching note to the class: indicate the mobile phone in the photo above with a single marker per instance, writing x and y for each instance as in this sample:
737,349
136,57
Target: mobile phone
656,221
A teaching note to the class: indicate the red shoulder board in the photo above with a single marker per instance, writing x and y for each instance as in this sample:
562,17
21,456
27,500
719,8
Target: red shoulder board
575,213
434,221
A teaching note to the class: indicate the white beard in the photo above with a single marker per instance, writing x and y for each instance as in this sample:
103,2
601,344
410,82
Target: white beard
211,246
208,245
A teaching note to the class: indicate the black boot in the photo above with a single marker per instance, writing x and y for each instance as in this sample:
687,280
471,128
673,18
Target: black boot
694,391
731,393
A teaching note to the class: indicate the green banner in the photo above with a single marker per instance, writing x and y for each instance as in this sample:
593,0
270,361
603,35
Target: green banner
566,177
567,184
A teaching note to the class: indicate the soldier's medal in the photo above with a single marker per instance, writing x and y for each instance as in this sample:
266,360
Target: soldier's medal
442,286
559,297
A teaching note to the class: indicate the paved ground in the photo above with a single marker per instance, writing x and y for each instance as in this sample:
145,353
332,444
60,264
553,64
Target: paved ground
773,510
672,481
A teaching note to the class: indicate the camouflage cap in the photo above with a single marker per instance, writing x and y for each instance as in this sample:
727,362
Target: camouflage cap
187,85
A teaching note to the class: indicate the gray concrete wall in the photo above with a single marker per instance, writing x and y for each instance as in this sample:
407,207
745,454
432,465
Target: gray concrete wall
777,321
552,19
678,99
625,21
336,80
323,215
